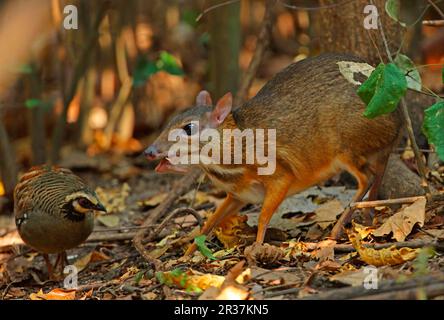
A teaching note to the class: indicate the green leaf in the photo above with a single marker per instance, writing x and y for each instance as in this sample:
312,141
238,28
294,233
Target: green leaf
367,90
160,277
392,7
411,73
433,126
33,103
168,63
26,69
200,242
383,90
144,69
138,277
189,17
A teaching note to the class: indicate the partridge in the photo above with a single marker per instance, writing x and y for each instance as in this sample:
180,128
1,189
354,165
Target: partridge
54,211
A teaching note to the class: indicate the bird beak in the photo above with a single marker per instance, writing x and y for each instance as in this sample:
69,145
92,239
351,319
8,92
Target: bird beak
99,207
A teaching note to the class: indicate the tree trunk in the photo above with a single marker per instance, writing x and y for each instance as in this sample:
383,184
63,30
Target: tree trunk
341,29
224,26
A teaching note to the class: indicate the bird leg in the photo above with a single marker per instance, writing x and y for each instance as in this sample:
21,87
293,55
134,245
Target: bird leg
49,266
62,259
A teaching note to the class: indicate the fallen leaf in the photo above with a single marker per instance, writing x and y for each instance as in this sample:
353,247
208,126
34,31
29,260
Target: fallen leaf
282,276
153,201
264,254
354,278
387,256
402,222
325,250
234,231
196,198
82,262
190,280
110,221
328,265
149,296
114,199
55,294
326,214
200,243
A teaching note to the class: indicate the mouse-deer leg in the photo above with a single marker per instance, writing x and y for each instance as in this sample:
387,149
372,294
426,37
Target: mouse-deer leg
274,196
229,207
363,187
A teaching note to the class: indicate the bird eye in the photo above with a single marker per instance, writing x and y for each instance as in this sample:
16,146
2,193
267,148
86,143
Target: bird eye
85,203
190,129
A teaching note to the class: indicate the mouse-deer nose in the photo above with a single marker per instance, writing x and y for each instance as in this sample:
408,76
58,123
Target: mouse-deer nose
151,152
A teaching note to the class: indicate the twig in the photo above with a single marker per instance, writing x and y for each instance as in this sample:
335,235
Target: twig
282,292
262,43
408,123
379,203
112,237
433,23
329,6
215,7
182,186
169,217
433,4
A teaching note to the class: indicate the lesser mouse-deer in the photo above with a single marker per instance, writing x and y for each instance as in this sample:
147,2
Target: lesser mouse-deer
319,131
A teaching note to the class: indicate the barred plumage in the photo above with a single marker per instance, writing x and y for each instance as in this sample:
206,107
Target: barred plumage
54,209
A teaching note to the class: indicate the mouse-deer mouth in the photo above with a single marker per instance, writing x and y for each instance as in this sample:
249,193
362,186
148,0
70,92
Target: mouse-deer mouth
165,165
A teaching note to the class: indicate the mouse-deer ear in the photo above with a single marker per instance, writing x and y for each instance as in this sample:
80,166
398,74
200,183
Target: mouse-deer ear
221,110
203,99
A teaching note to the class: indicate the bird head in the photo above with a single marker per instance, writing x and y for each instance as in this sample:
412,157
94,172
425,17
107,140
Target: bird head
80,203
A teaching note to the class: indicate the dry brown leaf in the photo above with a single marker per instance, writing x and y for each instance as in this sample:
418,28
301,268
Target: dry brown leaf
234,231
352,278
83,261
402,222
114,199
294,250
55,294
326,214
388,256
325,250
363,231
265,254
328,265
153,201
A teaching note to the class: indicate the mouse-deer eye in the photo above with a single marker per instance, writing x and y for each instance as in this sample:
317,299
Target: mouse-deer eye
190,128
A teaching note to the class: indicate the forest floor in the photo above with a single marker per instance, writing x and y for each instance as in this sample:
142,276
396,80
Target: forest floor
298,262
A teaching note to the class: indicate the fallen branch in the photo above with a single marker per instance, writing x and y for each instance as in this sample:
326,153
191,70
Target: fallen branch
111,236
391,286
388,202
